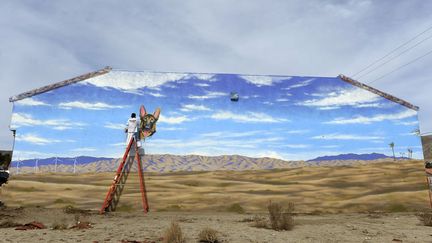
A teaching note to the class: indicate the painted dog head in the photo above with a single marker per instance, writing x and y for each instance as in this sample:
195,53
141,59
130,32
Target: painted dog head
148,122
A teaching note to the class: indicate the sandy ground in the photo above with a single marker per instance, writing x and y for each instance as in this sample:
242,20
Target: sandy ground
332,205
232,227
393,187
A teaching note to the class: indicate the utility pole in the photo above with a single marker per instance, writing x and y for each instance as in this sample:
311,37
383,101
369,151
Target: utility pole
55,164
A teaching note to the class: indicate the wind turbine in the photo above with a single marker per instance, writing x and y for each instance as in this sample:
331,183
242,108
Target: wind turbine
36,165
17,165
56,160
74,165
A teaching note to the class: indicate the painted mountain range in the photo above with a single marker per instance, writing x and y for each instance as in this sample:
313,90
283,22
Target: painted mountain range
171,163
351,156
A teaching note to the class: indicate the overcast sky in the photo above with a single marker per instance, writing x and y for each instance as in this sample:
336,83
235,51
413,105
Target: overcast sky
48,41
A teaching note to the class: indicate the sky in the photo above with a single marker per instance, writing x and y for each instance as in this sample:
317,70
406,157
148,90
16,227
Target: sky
43,42
284,117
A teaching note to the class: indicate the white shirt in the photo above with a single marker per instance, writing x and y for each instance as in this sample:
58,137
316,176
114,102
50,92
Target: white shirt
132,125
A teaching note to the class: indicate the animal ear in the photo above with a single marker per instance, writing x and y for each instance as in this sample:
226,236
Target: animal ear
157,113
143,111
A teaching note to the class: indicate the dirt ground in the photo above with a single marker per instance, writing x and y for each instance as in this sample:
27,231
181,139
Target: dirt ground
231,227
332,204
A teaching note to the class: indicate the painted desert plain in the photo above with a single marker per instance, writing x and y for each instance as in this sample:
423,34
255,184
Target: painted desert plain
361,202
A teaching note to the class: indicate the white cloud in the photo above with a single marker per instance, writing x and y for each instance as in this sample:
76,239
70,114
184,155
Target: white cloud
270,154
172,119
282,100
88,106
350,97
327,108
21,119
203,76
376,118
117,126
172,128
262,80
295,146
192,107
35,139
250,96
253,117
336,136
300,131
300,84
409,123
30,102
202,85
232,134
156,94
208,95
121,144
133,80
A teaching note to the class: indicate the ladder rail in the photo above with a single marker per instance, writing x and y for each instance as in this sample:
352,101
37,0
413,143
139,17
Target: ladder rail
111,190
113,196
142,182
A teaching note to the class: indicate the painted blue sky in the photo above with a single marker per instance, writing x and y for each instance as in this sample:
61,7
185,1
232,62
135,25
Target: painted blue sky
288,117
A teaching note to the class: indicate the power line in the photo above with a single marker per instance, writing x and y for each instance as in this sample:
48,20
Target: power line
391,52
391,59
402,66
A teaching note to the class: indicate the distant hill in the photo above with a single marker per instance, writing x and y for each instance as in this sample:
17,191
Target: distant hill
168,163
60,160
372,156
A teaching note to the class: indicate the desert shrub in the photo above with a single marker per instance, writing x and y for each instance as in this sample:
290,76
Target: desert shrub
396,208
59,200
236,208
174,234
426,218
208,235
280,218
59,225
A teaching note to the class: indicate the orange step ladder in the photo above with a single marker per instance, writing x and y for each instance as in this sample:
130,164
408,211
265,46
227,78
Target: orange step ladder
113,196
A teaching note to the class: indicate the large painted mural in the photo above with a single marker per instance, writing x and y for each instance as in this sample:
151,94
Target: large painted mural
283,117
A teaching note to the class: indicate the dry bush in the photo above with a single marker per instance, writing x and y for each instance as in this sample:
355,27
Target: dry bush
59,225
81,222
280,218
425,218
208,235
174,234
235,208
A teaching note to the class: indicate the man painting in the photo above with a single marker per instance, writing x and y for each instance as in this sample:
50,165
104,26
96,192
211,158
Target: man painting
131,128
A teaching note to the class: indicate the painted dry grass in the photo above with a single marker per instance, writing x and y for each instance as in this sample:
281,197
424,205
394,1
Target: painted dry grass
391,187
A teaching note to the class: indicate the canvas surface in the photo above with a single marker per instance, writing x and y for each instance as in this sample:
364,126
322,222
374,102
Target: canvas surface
284,117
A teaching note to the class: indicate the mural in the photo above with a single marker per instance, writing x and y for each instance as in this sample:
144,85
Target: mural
283,117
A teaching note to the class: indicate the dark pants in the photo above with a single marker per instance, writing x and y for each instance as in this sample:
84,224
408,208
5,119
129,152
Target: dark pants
4,176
